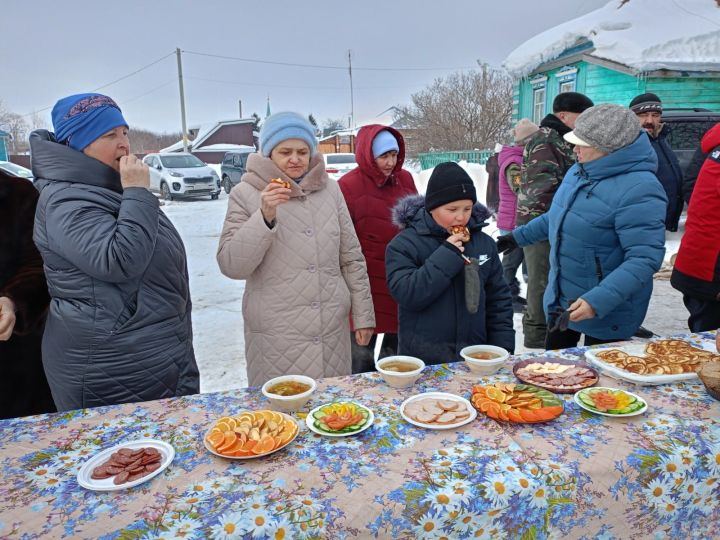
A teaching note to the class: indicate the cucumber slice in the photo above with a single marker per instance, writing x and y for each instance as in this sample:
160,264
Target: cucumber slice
636,406
317,415
587,400
552,402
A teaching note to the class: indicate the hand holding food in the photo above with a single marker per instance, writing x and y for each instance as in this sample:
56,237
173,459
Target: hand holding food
462,230
277,192
134,173
457,241
7,318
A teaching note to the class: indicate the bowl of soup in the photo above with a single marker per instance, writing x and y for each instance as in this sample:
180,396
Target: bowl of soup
400,371
288,393
484,359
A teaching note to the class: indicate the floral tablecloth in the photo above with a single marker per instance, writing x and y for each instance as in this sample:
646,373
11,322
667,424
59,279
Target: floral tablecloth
580,476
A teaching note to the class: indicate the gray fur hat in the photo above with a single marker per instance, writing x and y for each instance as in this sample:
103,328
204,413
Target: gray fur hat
606,127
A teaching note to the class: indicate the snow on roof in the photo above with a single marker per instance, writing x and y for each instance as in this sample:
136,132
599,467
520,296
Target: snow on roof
644,35
203,132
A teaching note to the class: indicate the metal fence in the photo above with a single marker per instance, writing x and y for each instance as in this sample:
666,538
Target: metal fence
431,159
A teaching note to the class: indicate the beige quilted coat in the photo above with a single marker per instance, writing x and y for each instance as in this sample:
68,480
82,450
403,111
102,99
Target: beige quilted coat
304,276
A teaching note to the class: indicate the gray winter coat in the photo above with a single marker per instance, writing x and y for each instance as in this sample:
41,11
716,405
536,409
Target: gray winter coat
119,328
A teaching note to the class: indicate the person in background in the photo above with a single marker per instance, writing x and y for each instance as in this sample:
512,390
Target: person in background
606,231
370,191
119,328
696,273
449,285
510,161
23,304
492,192
546,159
288,233
648,108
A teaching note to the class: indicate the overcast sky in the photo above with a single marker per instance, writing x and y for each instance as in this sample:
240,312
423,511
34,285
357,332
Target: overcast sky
55,48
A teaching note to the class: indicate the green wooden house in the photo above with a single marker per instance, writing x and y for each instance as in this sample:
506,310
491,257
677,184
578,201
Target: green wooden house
626,48
4,140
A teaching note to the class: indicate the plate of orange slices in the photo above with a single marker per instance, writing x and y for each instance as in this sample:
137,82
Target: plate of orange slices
517,403
250,434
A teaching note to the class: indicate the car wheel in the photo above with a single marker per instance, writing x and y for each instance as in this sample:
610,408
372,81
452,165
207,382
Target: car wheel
214,196
227,186
165,192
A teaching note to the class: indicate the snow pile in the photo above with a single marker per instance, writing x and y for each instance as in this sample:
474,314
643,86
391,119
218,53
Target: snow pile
644,35
475,170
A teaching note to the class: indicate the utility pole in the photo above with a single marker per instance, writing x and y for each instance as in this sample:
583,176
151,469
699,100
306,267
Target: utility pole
352,99
178,53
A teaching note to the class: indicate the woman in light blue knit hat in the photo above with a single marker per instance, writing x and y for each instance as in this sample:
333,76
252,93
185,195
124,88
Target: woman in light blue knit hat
288,233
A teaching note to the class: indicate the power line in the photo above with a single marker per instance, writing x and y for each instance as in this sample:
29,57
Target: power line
110,83
273,85
318,66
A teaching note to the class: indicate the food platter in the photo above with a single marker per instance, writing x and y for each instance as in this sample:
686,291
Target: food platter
84,475
517,403
636,354
315,424
279,427
459,405
561,376
634,405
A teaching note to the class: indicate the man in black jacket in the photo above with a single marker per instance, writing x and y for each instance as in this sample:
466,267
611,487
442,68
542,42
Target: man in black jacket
648,108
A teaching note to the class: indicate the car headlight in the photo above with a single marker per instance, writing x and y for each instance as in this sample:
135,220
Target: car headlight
176,174
214,174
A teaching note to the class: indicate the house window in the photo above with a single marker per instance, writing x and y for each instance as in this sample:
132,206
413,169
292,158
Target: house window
538,104
567,77
567,86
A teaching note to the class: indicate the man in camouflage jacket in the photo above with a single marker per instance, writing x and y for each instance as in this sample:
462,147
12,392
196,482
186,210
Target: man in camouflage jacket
546,159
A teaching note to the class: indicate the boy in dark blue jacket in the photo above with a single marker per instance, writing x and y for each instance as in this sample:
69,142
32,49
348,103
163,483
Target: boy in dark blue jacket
449,285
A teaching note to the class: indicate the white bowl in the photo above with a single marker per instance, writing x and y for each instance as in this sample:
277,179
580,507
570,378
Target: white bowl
289,403
484,367
400,379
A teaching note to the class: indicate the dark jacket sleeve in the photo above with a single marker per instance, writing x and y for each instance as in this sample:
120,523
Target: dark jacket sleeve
26,287
107,247
417,285
691,173
498,307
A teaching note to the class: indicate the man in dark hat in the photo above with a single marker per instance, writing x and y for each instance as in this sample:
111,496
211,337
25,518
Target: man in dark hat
546,159
648,108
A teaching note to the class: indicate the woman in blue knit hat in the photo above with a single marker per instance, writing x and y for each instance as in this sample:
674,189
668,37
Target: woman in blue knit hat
288,233
119,327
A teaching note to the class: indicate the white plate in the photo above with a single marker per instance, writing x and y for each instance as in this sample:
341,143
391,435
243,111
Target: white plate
641,410
310,421
439,395
83,476
212,450
618,373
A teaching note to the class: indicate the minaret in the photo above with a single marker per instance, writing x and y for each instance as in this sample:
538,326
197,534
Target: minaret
267,112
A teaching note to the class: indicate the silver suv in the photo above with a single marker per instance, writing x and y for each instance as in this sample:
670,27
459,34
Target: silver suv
178,175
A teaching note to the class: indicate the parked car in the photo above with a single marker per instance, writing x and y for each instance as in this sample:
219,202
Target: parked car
234,165
16,170
687,128
177,175
337,165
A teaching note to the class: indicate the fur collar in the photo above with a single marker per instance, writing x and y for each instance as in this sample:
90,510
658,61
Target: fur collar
411,208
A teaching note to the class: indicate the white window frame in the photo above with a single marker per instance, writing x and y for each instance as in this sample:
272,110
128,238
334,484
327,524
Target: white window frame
539,97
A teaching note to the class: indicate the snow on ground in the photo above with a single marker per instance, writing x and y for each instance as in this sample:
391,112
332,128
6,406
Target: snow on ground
217,300
643,34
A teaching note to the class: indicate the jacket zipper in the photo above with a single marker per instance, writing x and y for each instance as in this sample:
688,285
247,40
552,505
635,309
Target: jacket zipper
598,269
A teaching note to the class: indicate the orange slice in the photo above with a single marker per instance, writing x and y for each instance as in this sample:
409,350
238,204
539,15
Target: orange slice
215,438
245,417
528,415
249,445
264,445
229,439
230,451
278,418
223,426
241,453
496,394
278,441
514,416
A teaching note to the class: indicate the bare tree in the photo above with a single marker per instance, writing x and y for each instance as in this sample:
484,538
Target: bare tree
18,129
464,111
143,141
332,124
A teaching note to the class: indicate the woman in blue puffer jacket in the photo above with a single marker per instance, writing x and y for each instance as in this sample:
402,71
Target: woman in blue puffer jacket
606,231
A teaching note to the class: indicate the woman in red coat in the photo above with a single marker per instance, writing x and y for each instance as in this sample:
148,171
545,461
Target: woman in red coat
371,190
